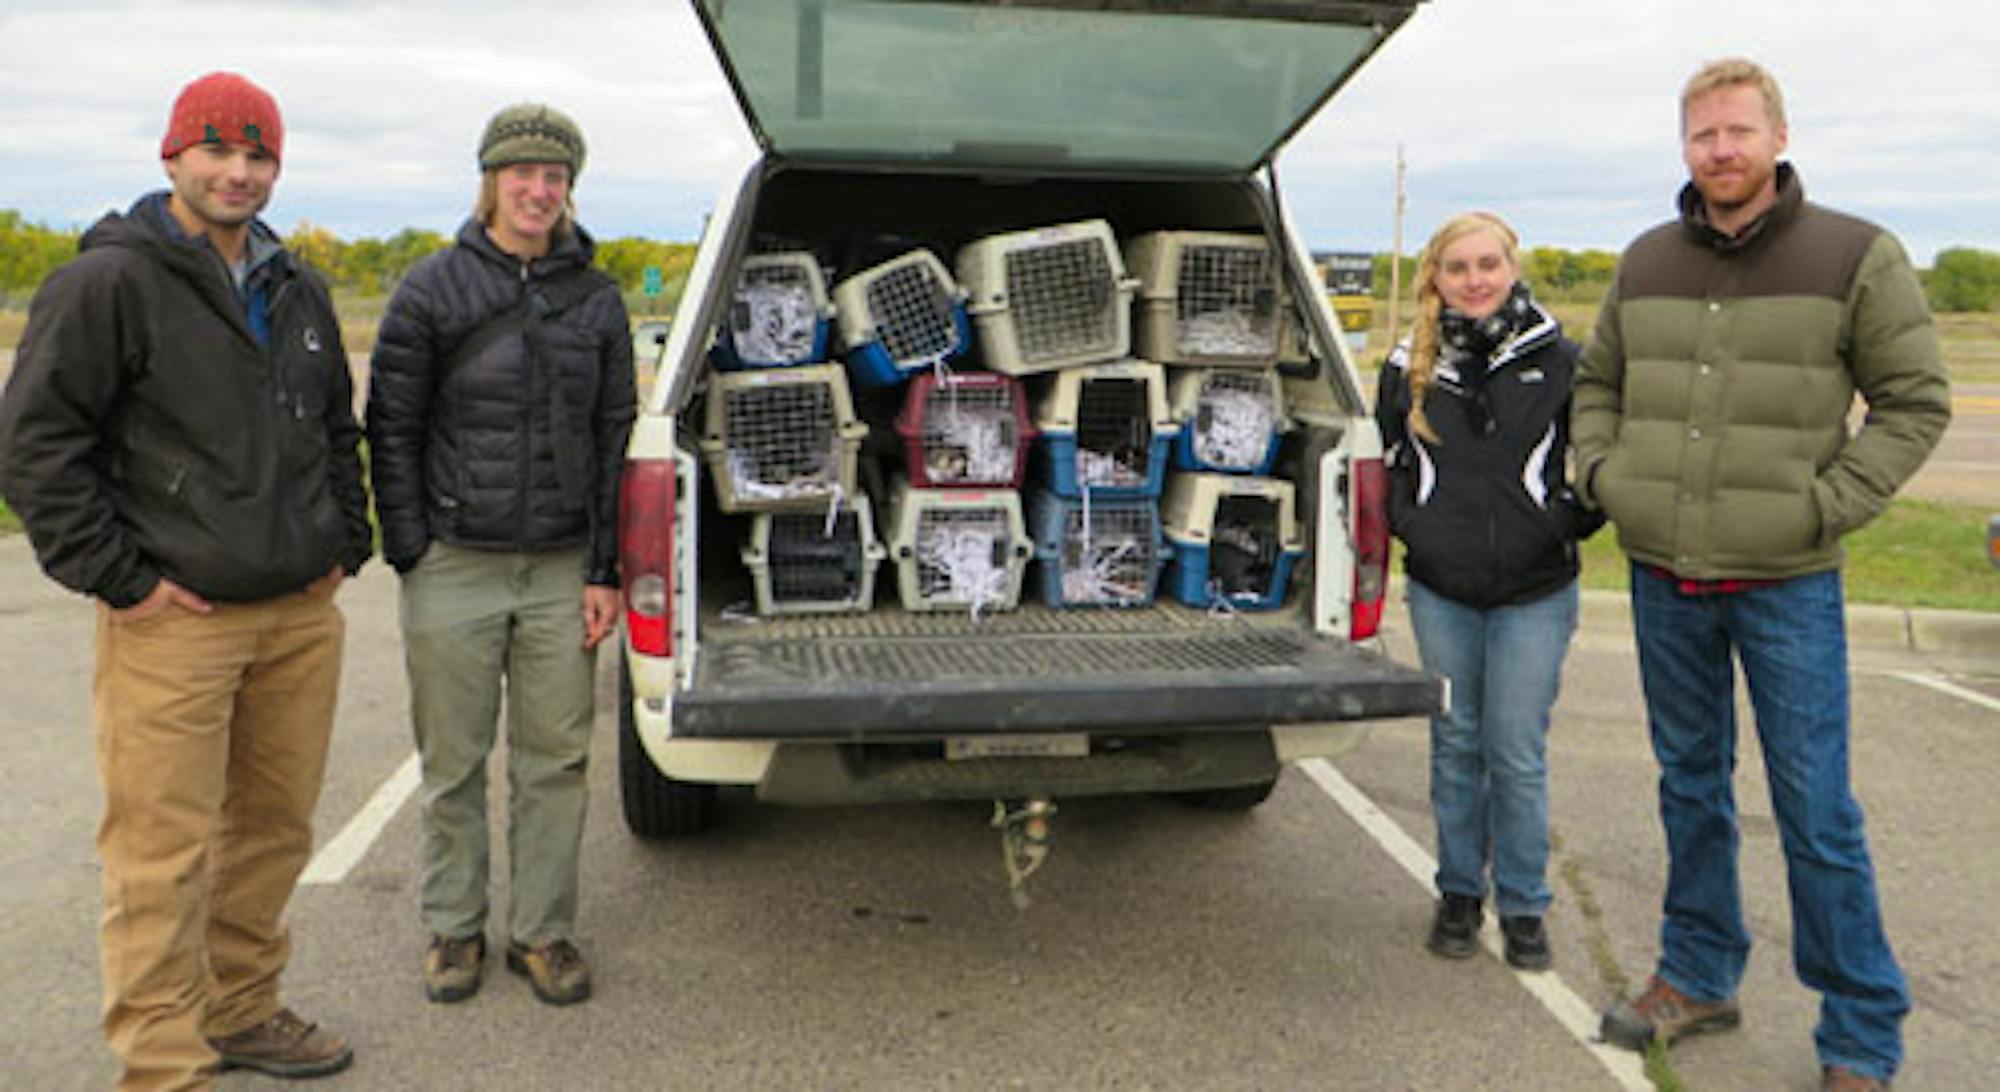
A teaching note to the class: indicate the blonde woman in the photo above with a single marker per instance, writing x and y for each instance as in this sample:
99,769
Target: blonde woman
1474,411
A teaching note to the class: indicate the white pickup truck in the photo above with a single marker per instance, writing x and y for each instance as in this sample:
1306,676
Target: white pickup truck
894,125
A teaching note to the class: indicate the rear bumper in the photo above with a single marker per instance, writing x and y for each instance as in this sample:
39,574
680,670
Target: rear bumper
817,773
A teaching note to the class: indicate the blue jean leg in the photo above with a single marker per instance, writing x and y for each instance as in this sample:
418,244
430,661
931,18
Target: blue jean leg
1689,683
1489,749
1792,642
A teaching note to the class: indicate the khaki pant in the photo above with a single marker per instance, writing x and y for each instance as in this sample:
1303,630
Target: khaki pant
471,619
211,741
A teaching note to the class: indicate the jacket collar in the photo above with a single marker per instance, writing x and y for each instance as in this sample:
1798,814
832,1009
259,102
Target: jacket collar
1543,330
149,225
1694,215
574,248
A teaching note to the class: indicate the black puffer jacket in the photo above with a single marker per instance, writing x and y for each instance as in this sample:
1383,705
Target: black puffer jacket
472,457
1487,517
145,432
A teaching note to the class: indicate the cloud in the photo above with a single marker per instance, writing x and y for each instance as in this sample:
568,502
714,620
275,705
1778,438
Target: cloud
1559,113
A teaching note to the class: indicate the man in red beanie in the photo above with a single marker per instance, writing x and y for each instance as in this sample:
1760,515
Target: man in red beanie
178,437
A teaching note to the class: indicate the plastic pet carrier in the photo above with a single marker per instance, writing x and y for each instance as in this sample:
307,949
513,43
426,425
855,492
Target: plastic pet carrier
965,429
780,315
902,316
1048,298
814,562
781,438
1234,540
958,549
1209,298
1230,419
1105,428
1094,552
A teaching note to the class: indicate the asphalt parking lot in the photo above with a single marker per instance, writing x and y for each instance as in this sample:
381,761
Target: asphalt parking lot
1164,948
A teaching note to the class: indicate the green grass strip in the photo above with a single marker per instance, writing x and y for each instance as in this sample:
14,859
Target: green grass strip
1917,553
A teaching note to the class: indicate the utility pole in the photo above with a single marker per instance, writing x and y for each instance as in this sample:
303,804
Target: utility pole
1396,257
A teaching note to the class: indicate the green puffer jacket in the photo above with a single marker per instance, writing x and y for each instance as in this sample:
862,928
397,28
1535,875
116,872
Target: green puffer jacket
1711,405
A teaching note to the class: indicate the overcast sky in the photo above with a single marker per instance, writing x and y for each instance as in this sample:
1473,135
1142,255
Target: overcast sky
1560,114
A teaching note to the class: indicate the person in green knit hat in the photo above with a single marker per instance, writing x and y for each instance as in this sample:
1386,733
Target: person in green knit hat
500,399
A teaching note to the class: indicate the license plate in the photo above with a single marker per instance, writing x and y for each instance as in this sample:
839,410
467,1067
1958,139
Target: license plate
1042,745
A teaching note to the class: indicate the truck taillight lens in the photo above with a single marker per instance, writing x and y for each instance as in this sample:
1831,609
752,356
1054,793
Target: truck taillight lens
646,554
1370,486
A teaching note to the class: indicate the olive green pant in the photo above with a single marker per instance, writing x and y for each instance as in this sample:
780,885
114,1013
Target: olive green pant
476,624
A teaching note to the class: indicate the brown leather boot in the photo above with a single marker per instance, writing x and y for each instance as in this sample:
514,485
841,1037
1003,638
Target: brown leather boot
284,1046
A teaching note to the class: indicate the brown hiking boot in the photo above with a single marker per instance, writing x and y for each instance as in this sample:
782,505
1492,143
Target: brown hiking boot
1666,1014
453,967
284,1046
556,970
1839,1078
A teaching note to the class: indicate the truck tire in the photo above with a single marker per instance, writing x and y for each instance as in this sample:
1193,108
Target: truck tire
656,806
1234,798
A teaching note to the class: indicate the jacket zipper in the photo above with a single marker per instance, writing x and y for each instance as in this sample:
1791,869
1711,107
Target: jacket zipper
523,489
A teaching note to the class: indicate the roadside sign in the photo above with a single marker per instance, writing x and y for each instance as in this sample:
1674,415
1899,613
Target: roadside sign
1350,280
1350,273
654,281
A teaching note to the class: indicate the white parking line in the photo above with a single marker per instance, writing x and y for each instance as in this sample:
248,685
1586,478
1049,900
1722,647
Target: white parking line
339,856
1576,1017
1943,686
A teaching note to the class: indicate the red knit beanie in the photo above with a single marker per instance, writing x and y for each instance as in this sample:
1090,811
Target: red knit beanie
224,108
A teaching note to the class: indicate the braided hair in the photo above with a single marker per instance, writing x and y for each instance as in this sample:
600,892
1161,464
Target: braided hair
1424,333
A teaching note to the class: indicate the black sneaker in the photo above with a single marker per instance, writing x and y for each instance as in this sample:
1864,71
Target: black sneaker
1455,930
1527,942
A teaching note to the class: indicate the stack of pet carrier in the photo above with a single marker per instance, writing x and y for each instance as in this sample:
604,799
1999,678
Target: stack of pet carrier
1038,419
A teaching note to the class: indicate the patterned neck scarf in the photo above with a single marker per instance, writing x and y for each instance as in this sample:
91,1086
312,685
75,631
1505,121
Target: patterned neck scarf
1479,339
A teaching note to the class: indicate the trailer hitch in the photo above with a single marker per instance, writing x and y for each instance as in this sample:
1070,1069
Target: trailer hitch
1024,842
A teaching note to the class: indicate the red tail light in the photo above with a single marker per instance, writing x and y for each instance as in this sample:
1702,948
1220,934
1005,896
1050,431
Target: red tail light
646,554
1370,486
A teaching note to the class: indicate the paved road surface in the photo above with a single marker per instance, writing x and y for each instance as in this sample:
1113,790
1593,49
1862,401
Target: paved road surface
874,947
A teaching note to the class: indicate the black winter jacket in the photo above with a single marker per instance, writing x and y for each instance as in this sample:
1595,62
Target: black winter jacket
1487,517
145,432
470,457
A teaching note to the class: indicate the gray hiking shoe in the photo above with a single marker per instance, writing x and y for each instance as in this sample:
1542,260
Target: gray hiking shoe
453,967
556,970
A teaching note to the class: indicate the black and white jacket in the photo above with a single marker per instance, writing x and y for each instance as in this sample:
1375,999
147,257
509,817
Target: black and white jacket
1487,516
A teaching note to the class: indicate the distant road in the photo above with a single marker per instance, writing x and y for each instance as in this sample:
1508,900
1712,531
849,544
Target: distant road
1965,467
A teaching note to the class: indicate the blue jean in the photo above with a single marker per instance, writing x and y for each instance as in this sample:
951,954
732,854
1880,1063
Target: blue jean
1791,639
1489,748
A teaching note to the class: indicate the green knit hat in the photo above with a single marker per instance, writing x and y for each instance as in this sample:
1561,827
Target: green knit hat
530,132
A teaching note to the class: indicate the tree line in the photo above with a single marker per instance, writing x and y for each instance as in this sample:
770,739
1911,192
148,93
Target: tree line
1962,279
366,268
